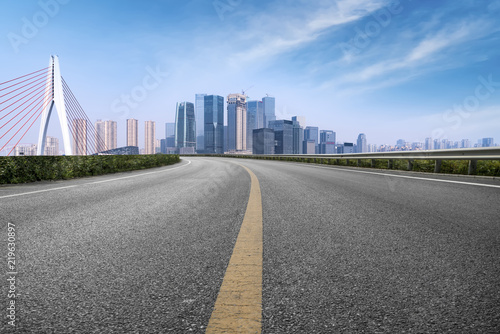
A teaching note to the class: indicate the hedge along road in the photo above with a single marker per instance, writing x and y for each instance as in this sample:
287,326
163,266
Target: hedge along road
36,168
342,251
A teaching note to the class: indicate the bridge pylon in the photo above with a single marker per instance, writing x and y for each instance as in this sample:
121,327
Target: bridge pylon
55,89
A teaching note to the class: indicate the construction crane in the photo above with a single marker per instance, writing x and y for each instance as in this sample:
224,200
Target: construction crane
243,91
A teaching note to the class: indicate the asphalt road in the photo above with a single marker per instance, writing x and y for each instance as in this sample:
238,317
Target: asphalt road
345,250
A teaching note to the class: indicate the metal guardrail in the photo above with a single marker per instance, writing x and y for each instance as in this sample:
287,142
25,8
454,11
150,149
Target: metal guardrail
482,153
471,154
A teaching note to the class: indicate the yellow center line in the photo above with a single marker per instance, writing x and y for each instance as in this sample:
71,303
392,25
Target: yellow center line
238,308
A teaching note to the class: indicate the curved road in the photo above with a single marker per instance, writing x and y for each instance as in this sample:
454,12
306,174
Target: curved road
345,250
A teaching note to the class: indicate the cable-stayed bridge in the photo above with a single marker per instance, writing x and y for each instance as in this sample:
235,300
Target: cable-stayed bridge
33,96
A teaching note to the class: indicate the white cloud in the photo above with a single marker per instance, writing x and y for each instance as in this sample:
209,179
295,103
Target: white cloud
271,37
441,40
422,57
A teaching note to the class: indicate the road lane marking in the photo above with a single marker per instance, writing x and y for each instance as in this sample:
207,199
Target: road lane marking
128,177
76,185
403,176
35,192
238,308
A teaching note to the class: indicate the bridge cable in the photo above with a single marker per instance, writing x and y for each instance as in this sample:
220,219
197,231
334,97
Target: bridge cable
43,69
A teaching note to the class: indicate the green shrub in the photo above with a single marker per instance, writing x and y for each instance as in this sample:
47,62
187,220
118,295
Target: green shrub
37,168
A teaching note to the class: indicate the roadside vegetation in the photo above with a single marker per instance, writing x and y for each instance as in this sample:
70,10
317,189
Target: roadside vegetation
37,168
484,167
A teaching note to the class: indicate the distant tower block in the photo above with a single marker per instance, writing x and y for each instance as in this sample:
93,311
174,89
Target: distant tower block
54,87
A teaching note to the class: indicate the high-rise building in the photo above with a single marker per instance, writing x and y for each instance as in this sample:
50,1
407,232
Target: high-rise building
236,123
465,143
170,134
132,132
51,146
149,137
263,141
79,131
311,133
105,135
24,150
446,144
169,130
301,120
157,145
428,144
199,105
99,136
298,136
361,144
110,135
225,138
348,148
269,109
255,120
163,146
327,142
309,146
487,142
185,125
283,136
214,124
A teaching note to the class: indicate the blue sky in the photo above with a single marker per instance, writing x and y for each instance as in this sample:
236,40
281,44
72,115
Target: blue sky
389,69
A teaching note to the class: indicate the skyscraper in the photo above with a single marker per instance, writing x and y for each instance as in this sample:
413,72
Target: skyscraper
51,146
269,110
99,136
236,122
283,136
361,144
488,142
79,131
255,120
428,144
263,141
149,137
132,133
301,120
185,125
311,133
298,136
199,105
110,135
327,142
170,134
214,124
105,135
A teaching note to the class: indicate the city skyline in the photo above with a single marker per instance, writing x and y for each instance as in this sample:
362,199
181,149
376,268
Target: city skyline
409,70
323,141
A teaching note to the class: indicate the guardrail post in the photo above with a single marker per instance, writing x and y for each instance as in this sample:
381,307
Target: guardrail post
358,163
472,167
347,162
390,164
410,164
437,166
373,163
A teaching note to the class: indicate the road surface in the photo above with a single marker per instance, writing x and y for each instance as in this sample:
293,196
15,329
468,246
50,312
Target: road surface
344,250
